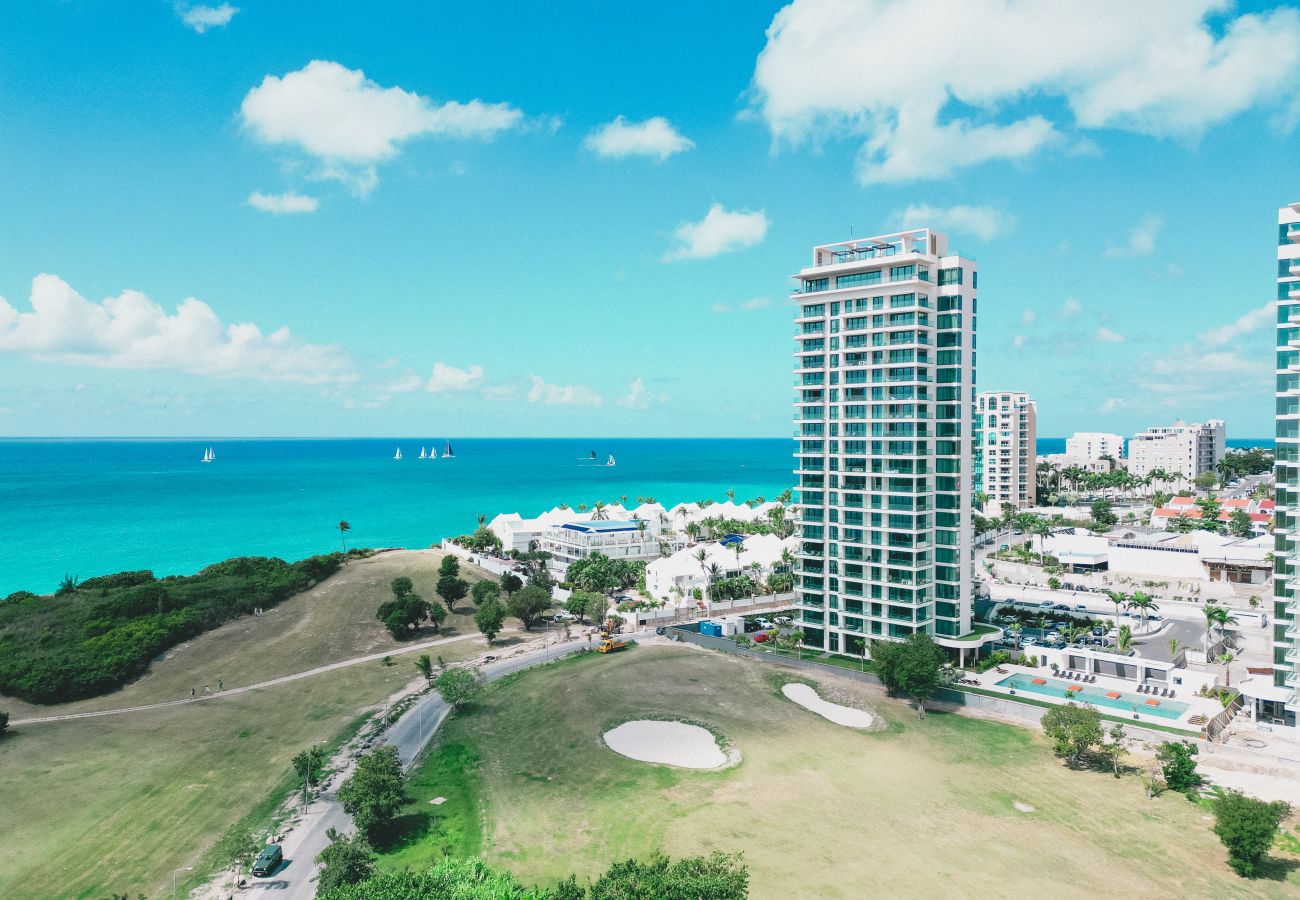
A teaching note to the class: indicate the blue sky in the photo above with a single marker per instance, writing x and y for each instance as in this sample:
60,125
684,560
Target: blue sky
601,244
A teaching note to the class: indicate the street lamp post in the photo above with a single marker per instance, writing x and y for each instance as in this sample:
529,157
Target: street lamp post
177,872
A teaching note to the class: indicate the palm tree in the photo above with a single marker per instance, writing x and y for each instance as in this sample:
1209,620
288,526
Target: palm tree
712,574
701,556
1216,617
598,511
1125,639
693,531
1015,628
1225,660
981,498
1119,598
482,520
738,548
1144,604
731,495
344,528
1175,647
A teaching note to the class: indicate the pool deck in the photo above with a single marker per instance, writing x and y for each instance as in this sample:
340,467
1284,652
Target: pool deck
1203,706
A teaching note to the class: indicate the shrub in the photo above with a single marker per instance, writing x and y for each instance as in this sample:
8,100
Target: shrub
1178,764
1247,827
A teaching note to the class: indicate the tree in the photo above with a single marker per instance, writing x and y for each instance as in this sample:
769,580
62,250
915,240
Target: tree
716,877
1145,604
585,603
401,586
374,793
528,604
911,667
489,618
425,665
450,566
403,613
1103,512
1225,660
485,590
436,615
458,686
1247,826
1115,749
4,722
510,582
1216,618
1073,730
344,528
1239,523
346,860
451,589
594,573
1178,764
1124,639
1204,481
306,764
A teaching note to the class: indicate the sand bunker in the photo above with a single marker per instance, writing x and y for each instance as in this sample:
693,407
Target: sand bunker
806,697
670,743
1022,807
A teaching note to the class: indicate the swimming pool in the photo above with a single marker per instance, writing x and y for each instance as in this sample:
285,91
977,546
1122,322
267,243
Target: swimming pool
1091,693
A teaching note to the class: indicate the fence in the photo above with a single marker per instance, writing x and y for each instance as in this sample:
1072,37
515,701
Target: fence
676,615
488,563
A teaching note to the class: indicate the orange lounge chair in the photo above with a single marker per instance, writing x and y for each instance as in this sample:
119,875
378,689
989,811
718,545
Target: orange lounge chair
1114,695
1153,703
1075,687
1040,681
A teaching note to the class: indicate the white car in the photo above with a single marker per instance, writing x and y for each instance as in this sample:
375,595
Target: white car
565,616
766,624
783,620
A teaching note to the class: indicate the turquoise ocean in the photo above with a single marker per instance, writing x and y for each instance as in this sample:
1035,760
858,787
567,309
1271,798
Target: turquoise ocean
91,507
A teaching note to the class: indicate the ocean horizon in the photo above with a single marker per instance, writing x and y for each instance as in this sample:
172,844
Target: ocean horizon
93,506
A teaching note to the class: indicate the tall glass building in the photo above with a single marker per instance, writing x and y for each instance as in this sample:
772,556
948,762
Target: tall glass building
1286,605
884,395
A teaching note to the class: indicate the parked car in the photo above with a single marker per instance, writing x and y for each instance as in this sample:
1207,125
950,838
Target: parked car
760,637
1028,641
1046,604
565,616
661,630
1054,636
1081,607
1062,606
268,861
1098,631
766,624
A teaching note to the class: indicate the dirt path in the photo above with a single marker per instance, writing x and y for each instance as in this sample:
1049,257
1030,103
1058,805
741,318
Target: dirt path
355,661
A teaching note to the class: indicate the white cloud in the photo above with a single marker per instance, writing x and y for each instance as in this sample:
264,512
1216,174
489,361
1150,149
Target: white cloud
130,331
720,231
1112,403
1070,309
654,137
756,303
640,397
721,308
1251,321
201,18
1108,336
1141,240
280,204
561,394
349,123
985,222
1019,341
835,68
447,378
1028,317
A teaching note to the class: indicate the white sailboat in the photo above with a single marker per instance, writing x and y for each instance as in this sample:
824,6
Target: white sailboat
398,454
423,455
209,455
610,461
433,453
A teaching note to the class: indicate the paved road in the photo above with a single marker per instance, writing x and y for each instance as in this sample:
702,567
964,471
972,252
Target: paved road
410,734
202,698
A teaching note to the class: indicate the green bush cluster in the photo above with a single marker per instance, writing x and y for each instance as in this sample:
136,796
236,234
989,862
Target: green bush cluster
94,638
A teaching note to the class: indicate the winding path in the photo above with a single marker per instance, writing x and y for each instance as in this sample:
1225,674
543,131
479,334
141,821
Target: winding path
283,679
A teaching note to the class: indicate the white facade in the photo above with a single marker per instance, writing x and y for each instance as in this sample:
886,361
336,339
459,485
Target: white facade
618,539
1063,461
1180,449
674,578
884,399
1006,457
1280,701
1091,445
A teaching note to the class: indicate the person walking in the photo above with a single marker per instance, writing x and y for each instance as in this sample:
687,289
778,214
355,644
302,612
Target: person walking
219,685
207,690
191,693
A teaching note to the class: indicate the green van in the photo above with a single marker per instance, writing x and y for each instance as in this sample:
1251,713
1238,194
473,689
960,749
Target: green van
268,860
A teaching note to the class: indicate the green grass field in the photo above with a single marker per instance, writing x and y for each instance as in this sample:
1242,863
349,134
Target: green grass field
921,808
116,803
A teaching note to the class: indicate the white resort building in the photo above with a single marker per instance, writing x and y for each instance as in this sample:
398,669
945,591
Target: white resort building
1006,454
1180,449
1093,445
884,394
674,578
623,539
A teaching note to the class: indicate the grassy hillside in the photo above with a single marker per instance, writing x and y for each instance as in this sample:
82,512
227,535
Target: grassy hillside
93,638
114,804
